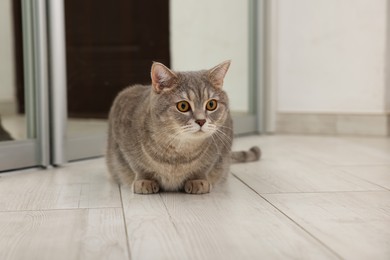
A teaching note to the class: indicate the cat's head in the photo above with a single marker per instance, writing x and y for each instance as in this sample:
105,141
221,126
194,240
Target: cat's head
189,104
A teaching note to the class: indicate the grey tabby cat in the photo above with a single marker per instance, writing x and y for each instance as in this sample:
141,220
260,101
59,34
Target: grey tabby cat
174,135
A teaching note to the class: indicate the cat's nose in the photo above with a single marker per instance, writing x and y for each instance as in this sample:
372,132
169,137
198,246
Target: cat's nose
200,122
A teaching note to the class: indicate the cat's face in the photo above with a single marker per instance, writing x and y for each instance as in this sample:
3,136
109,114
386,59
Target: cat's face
189,105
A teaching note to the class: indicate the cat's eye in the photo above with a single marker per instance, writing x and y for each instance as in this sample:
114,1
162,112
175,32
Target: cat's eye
211,105
183,106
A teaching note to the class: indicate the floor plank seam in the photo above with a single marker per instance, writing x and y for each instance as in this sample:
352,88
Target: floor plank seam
124,223
363,179
289,218
169,215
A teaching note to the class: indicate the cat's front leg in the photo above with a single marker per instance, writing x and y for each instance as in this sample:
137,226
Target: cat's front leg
198,186
144,186
201,184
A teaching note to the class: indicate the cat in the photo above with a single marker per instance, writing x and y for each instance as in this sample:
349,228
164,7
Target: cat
175,135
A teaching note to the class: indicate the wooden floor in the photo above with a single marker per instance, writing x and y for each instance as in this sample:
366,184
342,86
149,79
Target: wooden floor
308,198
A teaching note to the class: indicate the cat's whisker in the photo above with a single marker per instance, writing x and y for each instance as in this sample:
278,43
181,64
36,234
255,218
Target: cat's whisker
216,145
225,140
221,132
226,127
188,125
222,142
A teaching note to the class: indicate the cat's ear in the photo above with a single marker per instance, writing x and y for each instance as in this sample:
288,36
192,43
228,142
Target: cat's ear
162,77
217,74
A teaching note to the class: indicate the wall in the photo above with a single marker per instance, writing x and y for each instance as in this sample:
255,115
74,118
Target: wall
7,92
331,59
205,33
331,55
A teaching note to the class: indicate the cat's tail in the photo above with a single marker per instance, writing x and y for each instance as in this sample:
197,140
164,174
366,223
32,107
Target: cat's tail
251,155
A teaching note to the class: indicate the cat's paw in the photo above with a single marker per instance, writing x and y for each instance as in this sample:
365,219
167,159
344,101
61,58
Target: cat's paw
146,186
197,186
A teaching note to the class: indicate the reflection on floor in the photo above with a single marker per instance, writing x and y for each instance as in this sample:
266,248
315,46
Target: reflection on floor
308,198
17,127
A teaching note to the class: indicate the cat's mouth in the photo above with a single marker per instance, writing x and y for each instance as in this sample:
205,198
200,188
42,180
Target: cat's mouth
203,131
199,131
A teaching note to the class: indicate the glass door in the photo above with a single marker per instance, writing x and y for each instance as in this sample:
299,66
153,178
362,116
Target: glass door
24,137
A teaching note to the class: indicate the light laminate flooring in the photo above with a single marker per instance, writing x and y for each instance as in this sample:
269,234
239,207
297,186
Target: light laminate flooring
309,197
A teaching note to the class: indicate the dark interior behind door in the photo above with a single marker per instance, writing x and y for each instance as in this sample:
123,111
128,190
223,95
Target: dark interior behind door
110,45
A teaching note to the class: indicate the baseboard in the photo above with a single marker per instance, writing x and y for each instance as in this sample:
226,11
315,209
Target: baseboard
333,124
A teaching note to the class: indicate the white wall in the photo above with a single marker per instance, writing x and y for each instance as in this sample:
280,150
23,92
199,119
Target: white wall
207,32
7,82
331,56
